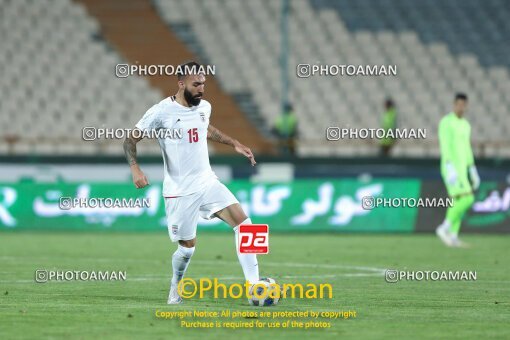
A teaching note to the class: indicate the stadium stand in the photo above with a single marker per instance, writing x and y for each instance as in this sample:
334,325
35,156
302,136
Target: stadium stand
141,36
243,40
473,27
56,68
58,60
58,63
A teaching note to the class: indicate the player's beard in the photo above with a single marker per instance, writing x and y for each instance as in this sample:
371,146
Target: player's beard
192,100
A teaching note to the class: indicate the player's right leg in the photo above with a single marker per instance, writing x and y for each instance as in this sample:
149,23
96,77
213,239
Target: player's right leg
462,200
220,202
443,230
235,217
182,218
180,262
462,205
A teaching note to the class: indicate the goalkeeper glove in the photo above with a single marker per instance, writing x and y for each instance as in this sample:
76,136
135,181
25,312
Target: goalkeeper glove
451,174
475,178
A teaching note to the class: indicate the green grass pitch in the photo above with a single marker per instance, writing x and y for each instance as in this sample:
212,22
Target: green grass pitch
352,264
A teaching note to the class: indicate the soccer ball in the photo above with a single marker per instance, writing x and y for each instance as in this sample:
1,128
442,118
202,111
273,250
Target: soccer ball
264,293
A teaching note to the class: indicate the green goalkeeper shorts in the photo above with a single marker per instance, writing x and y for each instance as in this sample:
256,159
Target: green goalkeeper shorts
461,187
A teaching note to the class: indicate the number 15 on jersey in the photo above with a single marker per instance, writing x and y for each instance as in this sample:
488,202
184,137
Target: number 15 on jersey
193,135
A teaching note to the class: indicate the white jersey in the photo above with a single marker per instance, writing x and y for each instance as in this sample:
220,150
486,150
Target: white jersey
185,157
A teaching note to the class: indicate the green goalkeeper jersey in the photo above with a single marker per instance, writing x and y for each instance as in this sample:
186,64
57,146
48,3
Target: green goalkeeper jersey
455,143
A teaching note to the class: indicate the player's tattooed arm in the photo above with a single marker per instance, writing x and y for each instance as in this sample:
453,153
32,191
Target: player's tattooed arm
130,149
139,178
217,136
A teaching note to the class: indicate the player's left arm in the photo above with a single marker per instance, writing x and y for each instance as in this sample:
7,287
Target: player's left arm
473,172
217,136
468,149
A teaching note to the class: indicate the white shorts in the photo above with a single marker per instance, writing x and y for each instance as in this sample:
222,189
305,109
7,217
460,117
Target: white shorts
182,212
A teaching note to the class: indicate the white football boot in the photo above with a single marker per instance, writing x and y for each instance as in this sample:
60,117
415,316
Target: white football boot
173,297
445,236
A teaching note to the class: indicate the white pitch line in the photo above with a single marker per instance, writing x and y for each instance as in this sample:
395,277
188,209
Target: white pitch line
309,276
277,264
374,271
239,278
225,278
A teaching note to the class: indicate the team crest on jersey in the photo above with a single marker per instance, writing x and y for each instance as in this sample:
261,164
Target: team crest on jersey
174,229
202,116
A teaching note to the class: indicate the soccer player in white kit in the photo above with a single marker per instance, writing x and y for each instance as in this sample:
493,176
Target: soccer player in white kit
190,186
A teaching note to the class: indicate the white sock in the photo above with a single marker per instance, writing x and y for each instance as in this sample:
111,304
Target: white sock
248,261
180,262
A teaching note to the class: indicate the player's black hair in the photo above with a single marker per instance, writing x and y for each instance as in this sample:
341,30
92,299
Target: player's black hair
187,68
461,96
388,103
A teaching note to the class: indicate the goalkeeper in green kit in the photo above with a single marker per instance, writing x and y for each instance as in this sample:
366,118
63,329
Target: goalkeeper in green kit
457,169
